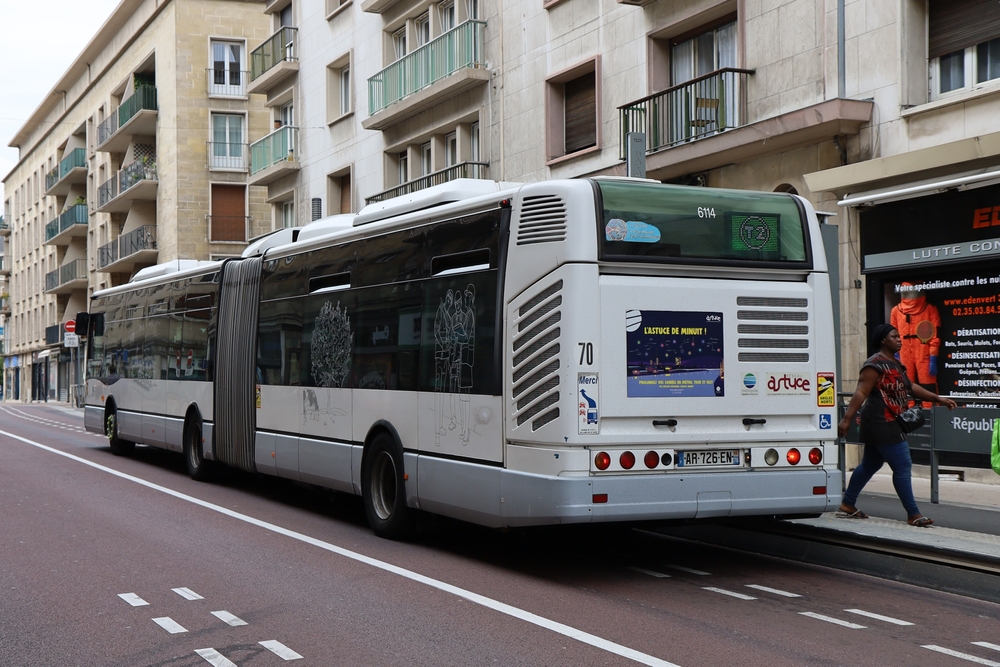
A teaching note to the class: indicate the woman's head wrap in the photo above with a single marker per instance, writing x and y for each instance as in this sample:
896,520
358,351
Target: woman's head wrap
880,332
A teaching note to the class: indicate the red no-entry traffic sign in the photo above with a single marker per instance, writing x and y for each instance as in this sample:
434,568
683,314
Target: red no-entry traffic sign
70,326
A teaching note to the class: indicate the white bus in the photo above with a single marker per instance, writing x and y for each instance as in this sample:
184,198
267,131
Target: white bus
506,354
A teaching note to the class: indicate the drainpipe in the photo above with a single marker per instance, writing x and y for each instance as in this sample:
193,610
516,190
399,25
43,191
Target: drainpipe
841,60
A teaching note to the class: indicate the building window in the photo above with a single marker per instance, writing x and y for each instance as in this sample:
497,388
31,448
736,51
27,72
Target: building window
228,221
707,52
402,168
338,87
339,193
399,43
426,160
422,26
286,211
474,142
446,14
227,76
963,45
472,8
227,149
572,110
451,149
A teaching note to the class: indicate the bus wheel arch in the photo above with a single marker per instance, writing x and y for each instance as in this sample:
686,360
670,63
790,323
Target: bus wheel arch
198,468
119,446
383,483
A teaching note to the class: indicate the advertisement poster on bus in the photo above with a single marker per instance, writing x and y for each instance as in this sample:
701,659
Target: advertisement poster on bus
674,353
950,331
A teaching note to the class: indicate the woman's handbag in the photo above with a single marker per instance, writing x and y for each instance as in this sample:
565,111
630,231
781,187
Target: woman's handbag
912,419
995,448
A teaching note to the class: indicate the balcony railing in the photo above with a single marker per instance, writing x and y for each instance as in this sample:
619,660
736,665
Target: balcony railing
227,156
107,191
74,159
279,47
74,215
65,274
228,228
144,97
143,169
276,147
695,109
460,170
459,48
143,238
228,82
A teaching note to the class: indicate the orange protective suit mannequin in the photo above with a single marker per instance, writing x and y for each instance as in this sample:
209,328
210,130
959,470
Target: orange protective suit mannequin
918,322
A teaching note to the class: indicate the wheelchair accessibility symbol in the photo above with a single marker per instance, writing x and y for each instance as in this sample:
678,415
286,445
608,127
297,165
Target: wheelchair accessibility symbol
826,421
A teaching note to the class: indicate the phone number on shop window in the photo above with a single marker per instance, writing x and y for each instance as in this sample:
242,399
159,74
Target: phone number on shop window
974,310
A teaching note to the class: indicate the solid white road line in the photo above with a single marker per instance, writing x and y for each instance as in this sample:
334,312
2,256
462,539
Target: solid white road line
133,599
835,621
688,570
187,593
734,594
995,647
964,656
215,658
500,607
226,617
878,617
170,625
773,590
280,650
651,573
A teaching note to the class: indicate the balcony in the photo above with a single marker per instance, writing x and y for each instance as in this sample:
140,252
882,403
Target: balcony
273,157
273,61
4,227
53,334
72,170
437,71
136,181
4,266
72,223
226,156
460,170
128,251
5,306
68,277
227,82
135,116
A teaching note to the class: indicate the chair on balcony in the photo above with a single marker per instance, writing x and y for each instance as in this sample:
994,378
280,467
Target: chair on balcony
706,115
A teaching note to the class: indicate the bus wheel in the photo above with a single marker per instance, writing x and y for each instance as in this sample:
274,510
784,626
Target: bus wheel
383,489
198,468
119,447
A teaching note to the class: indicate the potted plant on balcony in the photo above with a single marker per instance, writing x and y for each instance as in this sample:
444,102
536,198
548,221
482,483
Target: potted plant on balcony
149,168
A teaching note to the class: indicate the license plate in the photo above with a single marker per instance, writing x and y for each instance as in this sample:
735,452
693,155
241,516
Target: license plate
714,458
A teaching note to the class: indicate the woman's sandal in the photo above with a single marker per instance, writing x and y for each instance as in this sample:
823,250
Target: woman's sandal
845,512
920,521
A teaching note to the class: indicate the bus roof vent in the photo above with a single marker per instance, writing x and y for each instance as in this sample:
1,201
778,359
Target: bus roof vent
172,266
452,191
542,220
272,240
326,226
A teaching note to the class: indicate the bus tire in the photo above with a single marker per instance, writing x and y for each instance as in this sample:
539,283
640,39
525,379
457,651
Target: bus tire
198,468
383,488
119,447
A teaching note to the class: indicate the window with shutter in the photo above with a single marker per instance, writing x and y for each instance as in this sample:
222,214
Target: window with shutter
580,100
963,44
573,110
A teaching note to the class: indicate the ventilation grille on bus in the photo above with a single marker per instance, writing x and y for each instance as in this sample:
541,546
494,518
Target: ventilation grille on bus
535,370
543,220
763,341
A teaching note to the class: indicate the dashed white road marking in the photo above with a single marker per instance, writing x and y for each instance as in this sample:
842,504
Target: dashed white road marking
226,617
964,656
776,591
280,650
215,658
187,593
170,625
133,599
652,573
733,594
878,617
500,607
835,621
688,570
995,647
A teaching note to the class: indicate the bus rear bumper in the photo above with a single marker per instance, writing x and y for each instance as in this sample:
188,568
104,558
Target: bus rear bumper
535,499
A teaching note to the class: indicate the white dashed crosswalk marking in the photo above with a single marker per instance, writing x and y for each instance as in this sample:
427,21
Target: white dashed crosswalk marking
963,656
995,647
658,575
226,617
280,650
133,599
688,570
187,593
170,625
835,621
215,658
878,617
732,594
775,591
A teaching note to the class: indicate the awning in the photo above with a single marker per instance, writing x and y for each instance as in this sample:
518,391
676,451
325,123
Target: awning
968,180
43,354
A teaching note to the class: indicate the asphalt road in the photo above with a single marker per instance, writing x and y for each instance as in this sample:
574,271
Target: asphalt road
112,561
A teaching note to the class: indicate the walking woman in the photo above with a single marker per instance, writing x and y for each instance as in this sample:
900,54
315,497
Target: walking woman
882,394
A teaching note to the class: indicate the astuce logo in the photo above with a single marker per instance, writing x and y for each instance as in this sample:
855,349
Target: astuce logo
788,384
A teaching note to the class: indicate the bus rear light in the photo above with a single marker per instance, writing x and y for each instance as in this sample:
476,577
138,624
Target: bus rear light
771,457
793,456
815,456
651,459
627,460
819,490
666,459
602,461
600,498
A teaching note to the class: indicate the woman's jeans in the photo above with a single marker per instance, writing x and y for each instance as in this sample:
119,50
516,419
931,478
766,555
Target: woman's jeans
898,458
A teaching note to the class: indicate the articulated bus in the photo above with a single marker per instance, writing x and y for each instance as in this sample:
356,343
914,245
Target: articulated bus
505,354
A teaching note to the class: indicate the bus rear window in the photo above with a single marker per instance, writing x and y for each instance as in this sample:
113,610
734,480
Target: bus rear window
649,222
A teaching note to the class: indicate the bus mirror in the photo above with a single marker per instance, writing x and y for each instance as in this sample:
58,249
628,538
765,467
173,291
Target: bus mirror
82,322
98,324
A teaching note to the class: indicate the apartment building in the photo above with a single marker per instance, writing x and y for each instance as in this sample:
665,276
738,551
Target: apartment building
137,156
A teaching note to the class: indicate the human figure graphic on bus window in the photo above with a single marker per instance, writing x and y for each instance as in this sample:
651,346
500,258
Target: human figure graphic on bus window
465,351
454,361
442,360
